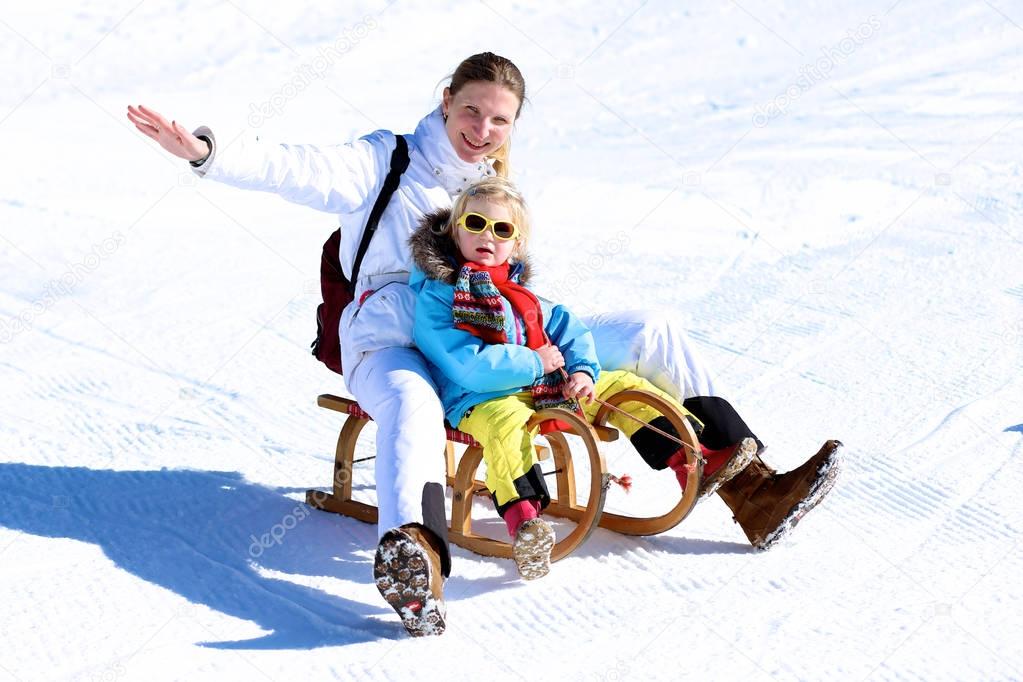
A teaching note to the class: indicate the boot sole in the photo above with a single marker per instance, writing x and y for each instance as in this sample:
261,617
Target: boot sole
402,575
744,454
532,549
824,481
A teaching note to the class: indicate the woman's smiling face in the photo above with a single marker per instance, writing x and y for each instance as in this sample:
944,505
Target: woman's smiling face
480,118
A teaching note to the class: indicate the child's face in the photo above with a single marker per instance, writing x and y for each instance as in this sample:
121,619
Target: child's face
484,248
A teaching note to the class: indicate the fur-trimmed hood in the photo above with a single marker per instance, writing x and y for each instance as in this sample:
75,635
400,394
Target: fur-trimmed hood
434,251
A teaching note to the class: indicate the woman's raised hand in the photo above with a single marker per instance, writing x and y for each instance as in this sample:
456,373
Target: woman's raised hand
169,134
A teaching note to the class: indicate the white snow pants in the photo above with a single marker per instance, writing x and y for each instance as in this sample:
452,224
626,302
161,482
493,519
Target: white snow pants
654,345
394,386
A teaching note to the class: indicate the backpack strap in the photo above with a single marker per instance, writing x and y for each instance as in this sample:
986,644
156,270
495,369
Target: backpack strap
399,162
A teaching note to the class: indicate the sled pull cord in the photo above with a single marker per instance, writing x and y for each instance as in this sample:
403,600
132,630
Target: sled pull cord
656,430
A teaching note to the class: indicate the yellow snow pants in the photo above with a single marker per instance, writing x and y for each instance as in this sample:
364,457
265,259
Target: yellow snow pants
500,427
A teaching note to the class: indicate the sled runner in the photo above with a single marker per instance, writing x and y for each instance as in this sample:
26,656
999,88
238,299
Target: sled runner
465,486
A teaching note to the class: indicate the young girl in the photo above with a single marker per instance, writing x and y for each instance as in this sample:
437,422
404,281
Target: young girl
497,353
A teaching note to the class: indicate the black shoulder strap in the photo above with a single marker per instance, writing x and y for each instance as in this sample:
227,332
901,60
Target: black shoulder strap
399,162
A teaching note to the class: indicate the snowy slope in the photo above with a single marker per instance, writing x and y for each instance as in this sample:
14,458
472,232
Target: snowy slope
830,197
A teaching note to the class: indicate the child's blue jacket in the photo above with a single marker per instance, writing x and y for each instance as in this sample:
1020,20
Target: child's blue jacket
466,369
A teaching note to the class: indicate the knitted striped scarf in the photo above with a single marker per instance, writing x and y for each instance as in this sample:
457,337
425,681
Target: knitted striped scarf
477,309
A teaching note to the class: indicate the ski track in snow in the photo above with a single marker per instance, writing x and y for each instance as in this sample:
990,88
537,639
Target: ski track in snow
850,269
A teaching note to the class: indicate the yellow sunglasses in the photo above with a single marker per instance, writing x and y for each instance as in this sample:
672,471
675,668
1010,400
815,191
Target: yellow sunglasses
477,223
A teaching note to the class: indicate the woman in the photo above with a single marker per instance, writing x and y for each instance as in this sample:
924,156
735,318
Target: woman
466,138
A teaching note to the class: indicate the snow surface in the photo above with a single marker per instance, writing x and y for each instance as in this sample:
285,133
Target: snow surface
838,220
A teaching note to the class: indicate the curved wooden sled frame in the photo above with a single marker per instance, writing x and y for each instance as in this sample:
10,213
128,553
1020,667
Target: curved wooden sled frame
652,525
588,515
466,486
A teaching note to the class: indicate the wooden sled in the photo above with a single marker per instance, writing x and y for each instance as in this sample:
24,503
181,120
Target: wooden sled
466,486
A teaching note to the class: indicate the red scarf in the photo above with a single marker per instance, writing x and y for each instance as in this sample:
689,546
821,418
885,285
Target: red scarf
522,300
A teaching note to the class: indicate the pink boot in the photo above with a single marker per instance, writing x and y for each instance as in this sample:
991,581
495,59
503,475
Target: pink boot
518,513
719,466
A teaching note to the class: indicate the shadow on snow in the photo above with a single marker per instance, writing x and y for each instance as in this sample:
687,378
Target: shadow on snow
192,532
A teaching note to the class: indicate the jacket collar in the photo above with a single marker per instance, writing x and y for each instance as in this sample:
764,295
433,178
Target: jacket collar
454,174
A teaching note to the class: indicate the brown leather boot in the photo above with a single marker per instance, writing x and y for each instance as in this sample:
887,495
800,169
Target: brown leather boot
767,504
408,576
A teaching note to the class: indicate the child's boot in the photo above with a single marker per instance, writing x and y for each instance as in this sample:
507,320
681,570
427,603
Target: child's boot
767,504
725,464
719,466
533,539
408,575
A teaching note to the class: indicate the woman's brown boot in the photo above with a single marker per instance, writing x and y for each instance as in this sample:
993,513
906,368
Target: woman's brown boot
408,576
767,504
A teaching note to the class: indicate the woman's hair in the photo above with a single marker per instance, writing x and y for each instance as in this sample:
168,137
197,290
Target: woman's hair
492,68
499,190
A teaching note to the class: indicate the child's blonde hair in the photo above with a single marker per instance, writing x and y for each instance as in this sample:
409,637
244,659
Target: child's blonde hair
503,191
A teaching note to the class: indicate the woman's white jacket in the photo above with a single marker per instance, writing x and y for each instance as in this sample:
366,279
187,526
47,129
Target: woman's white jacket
345,179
